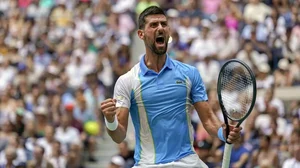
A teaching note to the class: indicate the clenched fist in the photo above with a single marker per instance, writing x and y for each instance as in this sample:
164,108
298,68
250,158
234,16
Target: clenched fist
108,108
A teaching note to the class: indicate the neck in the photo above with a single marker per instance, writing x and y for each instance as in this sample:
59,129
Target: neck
49,139
154,61
9,164
126,153
39,162
65,128
265,149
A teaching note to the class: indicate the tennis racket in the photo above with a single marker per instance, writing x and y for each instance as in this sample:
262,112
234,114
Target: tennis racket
237,93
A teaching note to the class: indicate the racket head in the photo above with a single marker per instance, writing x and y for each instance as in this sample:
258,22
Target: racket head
236,90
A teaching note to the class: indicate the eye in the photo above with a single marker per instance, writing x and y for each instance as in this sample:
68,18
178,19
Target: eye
153,25
164,24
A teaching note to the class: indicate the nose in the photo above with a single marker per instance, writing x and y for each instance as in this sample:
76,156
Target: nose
160,28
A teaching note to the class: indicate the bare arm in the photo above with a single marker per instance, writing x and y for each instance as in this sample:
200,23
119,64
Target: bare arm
120,133
118,108
254,158
210,121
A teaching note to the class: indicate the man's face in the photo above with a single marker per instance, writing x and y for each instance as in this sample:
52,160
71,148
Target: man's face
65,121
156,33
38,153
49,132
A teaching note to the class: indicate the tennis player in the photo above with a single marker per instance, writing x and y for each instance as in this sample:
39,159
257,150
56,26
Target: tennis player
158,92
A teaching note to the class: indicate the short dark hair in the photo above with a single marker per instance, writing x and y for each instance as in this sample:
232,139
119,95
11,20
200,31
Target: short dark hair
152,10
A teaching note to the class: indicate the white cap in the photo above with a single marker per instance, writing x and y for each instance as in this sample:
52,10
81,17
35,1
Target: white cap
206,23
125,40
118,160
264,68
41,110
53,70
173,13
78,53
283,64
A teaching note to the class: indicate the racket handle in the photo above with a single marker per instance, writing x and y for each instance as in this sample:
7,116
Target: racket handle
226,155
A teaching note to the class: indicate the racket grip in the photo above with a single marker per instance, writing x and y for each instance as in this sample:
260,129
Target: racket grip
227,155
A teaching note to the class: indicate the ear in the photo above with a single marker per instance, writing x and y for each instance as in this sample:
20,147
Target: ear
140,34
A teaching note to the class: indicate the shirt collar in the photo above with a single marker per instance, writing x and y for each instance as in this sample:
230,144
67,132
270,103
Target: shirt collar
145,69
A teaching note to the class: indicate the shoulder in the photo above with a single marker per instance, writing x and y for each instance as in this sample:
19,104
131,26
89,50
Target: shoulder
255,152
41,141
129,79
183,66
73,130
288,162
187,71
128,76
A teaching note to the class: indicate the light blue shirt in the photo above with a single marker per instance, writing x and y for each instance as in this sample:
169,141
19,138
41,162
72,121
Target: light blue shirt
159,106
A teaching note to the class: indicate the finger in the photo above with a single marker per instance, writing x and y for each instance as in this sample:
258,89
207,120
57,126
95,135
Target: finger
237,130
232,139
106,101
234,136
110,110
109,104
110,115
232,127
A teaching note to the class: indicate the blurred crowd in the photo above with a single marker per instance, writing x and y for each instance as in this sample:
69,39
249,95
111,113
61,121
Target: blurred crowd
60,58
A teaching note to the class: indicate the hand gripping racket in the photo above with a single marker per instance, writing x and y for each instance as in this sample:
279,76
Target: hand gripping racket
237,93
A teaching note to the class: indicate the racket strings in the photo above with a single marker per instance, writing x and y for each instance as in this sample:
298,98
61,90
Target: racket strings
236,90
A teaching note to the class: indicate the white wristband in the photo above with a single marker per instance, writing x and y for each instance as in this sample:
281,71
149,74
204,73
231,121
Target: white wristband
112,126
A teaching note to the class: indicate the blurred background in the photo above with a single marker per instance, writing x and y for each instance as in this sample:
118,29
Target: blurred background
59,59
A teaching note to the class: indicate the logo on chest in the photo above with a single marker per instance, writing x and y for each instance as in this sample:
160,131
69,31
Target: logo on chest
180,82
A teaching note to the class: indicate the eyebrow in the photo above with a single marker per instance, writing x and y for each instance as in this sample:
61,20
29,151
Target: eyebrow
154,22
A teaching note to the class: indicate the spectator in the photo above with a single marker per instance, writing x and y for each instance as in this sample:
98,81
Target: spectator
294,69
264,79
256,11
66,134
203,149
41,120
116,162
282,74
38,160
204,45
74,157
6,134
275,24
269,99
228,44
126,154
265,155
46,141
57,159
230,13
294,161
10,156
240,154
210,68
250,56
186,31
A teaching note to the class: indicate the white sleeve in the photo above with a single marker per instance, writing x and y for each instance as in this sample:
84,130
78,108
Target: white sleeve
122,91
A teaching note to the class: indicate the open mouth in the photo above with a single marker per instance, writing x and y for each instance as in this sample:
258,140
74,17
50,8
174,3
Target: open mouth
160,40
